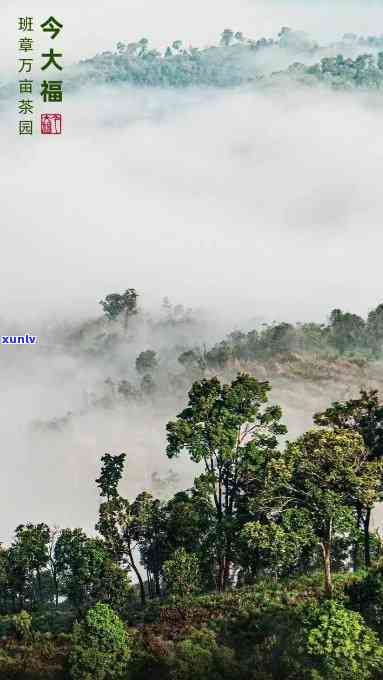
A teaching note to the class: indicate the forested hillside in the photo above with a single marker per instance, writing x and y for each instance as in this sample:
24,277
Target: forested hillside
267,566
152,358
353,62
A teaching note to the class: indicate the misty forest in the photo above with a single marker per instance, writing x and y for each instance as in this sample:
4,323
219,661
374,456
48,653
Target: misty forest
268,565
193,484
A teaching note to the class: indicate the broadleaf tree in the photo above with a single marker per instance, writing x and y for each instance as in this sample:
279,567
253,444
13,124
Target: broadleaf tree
323,473
363,415
232,432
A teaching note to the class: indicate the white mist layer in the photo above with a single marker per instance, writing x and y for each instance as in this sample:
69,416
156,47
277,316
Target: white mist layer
268,204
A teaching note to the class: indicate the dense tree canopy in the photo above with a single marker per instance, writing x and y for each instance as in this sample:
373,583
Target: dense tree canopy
225,576
324,473
228,429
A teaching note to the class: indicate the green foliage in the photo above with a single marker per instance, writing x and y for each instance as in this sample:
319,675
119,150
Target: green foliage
22,624
116,305
79,562
231,431
113,587
279,546
346,331
181,574
357,64
366,596
25,560
150,522
340,73
101,647
364,416
192,360
324,473
178,67
111,473
345,334
374,326
199,657
234,62
339,644
6,626
271,340
8,665
313,641
273,631
189,521
257,514
121,528
54,620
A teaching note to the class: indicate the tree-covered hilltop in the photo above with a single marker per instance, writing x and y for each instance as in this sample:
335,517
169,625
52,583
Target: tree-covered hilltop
354,62
145,358
345,335
340,73
267,567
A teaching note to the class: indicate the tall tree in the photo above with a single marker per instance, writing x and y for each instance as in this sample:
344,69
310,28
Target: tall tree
374,328
111,473
324,473
190,519
29,555
151,528
122,533
364,416
79,561
5,590
118,521
232,433
346,331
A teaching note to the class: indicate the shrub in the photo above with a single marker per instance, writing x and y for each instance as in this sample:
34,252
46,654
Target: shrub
366,596
199,657
22,626
7,627
313,641
339,644
8,665
101,647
